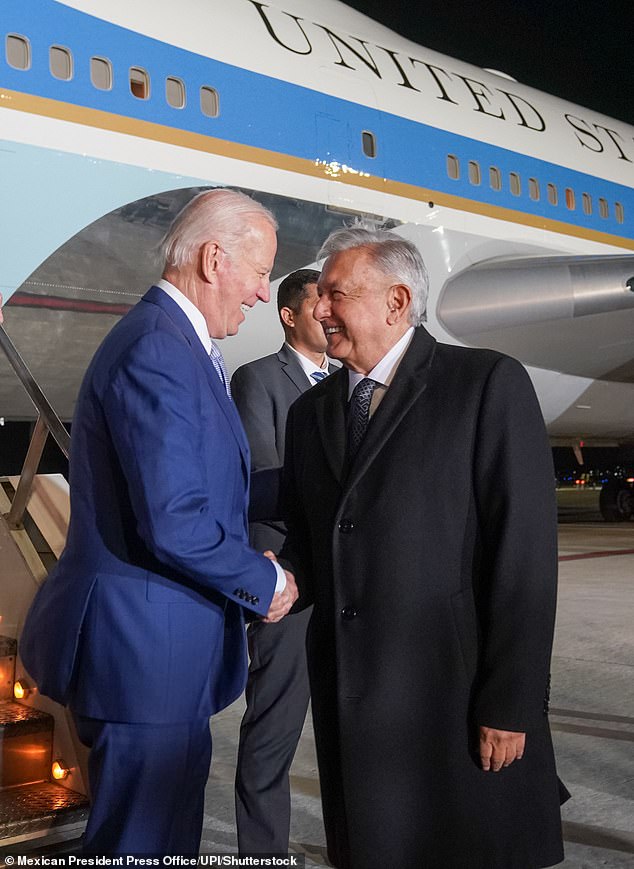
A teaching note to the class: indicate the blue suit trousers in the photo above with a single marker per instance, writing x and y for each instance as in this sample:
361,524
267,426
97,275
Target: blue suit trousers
147,786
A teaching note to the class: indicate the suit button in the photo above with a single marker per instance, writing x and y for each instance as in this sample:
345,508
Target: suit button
346,526
348,613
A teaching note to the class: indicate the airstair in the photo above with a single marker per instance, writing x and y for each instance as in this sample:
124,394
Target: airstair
43,783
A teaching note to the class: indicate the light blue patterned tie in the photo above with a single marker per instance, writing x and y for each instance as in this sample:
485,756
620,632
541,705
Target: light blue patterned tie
219,365
318,375
359,414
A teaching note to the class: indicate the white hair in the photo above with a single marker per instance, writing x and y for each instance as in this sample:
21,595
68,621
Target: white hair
221,215
391,255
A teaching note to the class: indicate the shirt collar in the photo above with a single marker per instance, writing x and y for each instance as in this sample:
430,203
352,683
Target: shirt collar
309,366
190,310
385,368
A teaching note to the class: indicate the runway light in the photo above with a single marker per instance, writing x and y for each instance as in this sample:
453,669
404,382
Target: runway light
21,689
59,769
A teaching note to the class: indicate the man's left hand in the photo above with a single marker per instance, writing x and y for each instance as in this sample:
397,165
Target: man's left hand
499,748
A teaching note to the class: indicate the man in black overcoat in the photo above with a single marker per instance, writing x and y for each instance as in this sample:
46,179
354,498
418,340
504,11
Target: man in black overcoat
432,565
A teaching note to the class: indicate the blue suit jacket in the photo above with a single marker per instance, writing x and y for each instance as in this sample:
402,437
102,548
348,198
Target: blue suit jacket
142,619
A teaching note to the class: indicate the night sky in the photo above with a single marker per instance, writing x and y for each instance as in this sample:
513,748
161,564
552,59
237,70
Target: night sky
580,50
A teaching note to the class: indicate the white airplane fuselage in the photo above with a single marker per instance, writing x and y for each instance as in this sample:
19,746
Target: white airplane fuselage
522,204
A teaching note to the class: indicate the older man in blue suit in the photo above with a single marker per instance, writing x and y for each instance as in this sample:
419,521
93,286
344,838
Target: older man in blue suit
140,627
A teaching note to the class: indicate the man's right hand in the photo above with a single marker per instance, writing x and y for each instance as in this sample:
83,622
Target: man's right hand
282,600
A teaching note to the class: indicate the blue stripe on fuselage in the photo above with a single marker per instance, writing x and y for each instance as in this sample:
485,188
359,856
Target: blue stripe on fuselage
277,116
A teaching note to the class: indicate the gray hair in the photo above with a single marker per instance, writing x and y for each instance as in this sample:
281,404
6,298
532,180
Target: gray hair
220,214
391,255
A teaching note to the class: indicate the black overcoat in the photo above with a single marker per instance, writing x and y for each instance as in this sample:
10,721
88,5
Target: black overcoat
435,555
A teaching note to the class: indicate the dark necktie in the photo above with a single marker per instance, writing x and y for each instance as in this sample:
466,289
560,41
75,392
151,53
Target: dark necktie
359,413
219,364
318,375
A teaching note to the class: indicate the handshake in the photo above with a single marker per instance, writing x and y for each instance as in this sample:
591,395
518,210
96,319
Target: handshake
282,600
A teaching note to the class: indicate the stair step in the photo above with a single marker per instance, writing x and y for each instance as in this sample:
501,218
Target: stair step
17,718
30,808
26,744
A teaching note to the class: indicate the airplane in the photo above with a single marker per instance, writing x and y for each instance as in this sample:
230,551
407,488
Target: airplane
114,114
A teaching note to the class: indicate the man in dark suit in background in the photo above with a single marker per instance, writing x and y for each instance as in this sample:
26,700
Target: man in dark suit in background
140,626
421,521
277,691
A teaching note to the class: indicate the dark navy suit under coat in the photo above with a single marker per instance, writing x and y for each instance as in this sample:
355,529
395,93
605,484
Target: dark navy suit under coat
142,620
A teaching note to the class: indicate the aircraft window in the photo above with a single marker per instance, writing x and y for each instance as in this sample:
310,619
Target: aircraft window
495,178
533,189
570,199
60,62
516,183
175,92
604,208
101,73
553,197
18,51
209,101
139,83
474,172
586,201
368,142
453,167
618,212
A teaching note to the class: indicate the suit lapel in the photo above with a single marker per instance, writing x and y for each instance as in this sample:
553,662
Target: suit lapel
330,408
157,297
410,381
292,369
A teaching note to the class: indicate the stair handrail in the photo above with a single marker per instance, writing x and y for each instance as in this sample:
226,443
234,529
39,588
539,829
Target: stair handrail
47,421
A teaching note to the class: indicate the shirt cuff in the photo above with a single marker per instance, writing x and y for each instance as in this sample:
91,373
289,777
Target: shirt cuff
281,577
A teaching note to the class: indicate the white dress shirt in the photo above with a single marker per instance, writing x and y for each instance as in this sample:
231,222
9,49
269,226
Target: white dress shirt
309,366
383,372
190,310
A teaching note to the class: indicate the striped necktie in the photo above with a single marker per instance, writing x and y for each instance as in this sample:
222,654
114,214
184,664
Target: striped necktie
318,375
359,414
219,364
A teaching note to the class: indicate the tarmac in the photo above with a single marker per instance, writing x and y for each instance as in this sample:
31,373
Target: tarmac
592,715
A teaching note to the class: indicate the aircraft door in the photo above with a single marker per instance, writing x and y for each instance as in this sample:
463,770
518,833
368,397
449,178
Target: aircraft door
332,136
